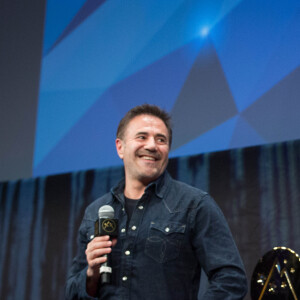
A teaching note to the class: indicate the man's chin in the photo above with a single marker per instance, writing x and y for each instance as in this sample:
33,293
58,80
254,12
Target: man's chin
148,177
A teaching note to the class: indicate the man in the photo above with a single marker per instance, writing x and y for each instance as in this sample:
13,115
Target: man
168,231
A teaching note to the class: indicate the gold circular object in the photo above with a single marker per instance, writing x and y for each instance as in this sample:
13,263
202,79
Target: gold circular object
109,225
277,276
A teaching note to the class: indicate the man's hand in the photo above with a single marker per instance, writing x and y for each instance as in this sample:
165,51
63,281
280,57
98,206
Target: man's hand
94,252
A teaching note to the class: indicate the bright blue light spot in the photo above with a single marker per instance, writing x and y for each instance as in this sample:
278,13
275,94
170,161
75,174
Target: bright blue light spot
204,31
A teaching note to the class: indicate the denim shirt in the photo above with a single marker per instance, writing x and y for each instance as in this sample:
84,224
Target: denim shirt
175,231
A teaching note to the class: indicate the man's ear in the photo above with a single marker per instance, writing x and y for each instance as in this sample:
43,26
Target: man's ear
119,147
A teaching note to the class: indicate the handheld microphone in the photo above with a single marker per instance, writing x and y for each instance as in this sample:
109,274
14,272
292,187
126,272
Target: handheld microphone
106,225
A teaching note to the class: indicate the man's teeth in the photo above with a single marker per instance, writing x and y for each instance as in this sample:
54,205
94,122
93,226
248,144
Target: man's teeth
148,158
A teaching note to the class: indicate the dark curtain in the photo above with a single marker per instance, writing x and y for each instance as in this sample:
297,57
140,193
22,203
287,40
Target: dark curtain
257,188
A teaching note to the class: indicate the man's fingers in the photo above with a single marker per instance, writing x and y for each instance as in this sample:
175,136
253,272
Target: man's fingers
96,262
92,254
95,244
101,238
96,250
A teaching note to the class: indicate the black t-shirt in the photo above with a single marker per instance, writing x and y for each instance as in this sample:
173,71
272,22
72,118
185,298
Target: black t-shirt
130,205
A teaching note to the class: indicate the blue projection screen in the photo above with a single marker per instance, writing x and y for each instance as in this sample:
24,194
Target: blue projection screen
227,71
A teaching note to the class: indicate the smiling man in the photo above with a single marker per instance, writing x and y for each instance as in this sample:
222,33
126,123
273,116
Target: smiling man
168,231
144,148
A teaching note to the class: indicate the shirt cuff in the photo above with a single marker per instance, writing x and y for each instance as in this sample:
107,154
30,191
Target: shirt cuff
82,288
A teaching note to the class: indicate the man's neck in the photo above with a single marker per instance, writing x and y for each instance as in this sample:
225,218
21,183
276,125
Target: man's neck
134,190
133,193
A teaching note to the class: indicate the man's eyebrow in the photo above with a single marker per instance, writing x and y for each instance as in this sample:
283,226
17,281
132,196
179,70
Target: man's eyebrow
161,135
142,132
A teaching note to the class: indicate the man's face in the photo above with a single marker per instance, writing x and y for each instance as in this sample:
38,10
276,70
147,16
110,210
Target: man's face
144,149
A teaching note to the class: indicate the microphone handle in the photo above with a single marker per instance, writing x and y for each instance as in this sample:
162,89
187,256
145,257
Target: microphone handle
105,271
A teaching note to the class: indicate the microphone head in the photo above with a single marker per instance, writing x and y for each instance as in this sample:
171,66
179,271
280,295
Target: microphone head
106,212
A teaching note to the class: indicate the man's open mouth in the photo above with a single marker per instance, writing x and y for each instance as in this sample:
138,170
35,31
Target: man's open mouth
149,158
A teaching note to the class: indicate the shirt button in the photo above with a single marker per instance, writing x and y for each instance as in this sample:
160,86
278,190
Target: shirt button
123,230
124,278
167,229
133,227
141,207
92,236
127,252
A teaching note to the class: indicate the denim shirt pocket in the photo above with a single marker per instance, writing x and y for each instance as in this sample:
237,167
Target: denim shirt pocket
164,241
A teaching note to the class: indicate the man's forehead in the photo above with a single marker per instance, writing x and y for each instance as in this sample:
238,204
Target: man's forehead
146,123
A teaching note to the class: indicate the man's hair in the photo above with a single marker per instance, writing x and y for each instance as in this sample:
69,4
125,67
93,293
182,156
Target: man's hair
145,109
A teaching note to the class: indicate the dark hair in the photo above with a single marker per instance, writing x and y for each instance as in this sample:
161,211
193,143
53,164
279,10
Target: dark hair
145,109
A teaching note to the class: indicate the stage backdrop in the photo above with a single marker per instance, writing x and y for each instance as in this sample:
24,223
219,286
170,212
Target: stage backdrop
227,71
257,188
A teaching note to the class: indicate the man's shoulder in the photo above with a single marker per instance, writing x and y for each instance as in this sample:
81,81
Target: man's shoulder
182,187
91,211
179,195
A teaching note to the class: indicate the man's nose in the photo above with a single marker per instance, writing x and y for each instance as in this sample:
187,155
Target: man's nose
151,144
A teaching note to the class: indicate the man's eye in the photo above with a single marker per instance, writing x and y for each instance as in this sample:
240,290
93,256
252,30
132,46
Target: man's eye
161,140
141,137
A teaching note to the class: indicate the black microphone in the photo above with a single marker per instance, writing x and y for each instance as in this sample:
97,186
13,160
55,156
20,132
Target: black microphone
106,225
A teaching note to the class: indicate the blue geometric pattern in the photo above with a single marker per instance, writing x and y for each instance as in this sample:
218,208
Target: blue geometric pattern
227,71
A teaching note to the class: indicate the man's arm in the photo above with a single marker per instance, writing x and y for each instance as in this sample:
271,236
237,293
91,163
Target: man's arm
76,281
218,254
